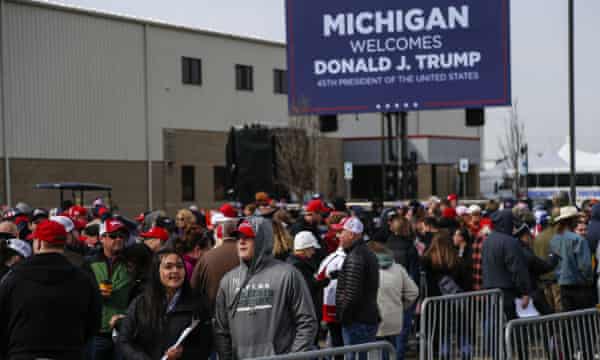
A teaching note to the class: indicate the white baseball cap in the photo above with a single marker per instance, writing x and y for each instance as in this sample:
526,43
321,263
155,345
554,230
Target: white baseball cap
354,225
305,240
474,209
19,246
462,210
64,221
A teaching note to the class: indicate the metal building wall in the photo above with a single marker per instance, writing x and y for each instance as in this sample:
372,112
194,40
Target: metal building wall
74,85
430,122
216,104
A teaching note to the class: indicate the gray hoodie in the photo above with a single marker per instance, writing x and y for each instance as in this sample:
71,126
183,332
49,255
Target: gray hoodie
273,314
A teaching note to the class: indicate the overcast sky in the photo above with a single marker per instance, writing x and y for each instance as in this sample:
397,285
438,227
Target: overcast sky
539,57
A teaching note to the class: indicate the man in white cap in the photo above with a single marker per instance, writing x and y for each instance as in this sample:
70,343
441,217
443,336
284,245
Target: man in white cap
74,250
358,284
305,261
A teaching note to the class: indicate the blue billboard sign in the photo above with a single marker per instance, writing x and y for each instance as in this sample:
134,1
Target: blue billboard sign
356,56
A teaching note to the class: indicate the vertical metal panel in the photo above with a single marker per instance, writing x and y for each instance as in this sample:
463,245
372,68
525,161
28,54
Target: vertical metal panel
216,104
74,85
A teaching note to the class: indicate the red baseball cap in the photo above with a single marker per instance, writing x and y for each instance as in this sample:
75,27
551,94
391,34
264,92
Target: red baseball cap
50,232
315,206
339,226
76,210
452,197
156,233
111,226
140,218
228,211
102,211
245,230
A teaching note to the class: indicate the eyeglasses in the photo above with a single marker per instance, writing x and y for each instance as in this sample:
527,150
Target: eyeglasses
116,235
180,219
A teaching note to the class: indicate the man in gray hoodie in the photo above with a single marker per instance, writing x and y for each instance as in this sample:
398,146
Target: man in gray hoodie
273,312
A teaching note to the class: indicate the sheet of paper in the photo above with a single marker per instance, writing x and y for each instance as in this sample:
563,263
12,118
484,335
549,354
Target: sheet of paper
184,335
529,311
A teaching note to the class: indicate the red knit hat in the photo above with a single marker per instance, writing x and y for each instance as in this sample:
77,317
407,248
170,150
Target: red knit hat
50,232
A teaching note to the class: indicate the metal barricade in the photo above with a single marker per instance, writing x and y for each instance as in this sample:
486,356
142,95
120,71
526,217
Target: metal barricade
463,326
565,336
372,351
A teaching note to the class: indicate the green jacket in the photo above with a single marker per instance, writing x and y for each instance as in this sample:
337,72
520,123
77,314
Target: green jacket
122,283
541,248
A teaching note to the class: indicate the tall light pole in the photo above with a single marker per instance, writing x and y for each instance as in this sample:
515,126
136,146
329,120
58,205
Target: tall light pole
572,104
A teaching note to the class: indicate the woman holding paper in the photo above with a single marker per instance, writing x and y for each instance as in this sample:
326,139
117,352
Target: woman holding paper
157,321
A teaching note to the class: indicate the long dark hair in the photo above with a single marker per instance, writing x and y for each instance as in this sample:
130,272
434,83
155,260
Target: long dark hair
441,253
153,301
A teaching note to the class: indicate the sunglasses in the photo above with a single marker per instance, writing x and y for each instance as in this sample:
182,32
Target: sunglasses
179,219
116,235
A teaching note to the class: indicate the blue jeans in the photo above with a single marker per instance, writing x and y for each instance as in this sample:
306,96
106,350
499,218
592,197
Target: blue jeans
402,339
359,333
102,348
394,340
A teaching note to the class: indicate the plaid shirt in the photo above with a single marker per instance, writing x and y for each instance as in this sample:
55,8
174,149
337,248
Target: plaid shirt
477,252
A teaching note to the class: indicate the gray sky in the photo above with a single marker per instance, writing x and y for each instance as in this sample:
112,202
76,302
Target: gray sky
539,57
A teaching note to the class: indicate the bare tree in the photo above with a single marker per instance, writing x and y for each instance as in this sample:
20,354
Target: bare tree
297,154
513,145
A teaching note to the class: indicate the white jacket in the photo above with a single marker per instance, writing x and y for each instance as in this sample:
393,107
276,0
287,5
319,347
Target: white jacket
397,291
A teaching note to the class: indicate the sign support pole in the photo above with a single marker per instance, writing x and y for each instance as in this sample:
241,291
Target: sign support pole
348,190
383,182
572,105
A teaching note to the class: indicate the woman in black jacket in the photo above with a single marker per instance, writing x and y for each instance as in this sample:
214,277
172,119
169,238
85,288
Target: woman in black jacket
156,319
462,242
447,274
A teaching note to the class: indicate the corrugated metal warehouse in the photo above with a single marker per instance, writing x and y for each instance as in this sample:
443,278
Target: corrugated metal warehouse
96,97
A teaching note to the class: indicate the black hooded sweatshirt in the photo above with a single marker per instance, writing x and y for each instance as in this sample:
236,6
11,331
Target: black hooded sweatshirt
48,309
503,263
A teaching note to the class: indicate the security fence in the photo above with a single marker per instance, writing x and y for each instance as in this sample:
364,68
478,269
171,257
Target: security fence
377,350
565,336
462,326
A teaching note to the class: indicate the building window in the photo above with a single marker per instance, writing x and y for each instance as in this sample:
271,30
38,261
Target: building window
585,179
532,180
546,180
220,180
244,78
564,180
280,84
191,71
188,183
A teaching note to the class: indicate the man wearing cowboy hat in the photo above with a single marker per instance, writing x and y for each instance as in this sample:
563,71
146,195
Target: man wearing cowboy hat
574,271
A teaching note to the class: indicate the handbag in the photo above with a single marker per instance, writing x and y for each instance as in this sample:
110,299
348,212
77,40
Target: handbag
448,286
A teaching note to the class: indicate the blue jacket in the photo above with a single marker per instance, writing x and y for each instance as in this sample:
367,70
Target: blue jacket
575,266
593,231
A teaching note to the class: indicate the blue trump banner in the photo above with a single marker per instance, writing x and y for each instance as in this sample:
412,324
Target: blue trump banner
356,56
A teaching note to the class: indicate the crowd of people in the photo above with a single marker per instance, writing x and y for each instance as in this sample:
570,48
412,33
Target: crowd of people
258,279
